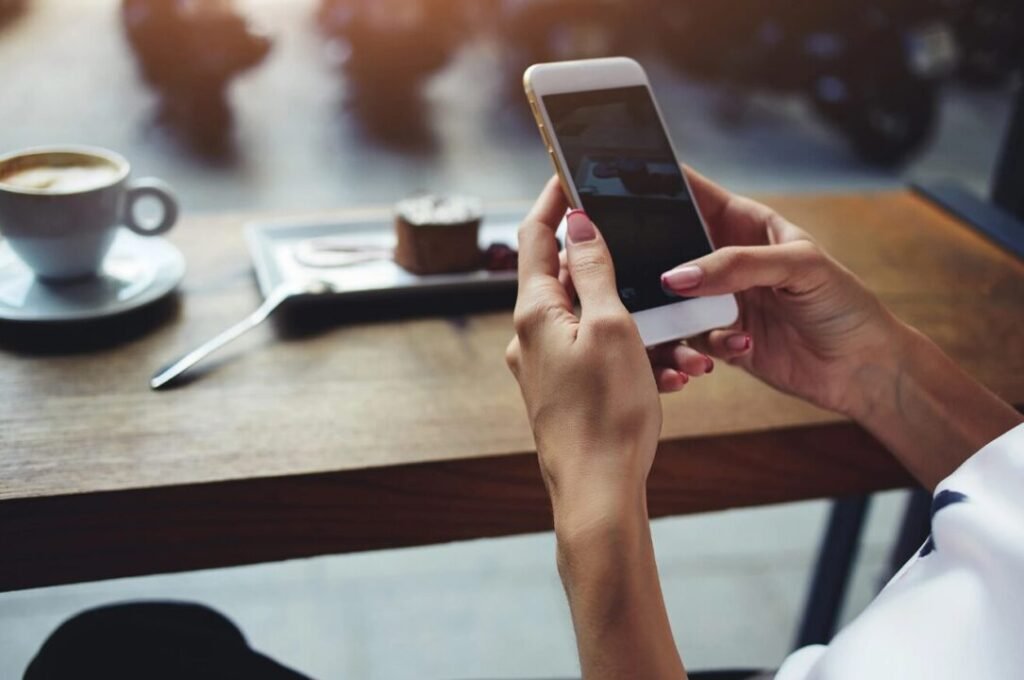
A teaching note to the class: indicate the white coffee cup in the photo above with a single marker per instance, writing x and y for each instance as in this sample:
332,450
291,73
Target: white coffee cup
61,207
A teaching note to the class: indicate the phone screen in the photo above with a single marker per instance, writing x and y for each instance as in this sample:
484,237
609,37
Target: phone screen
631,186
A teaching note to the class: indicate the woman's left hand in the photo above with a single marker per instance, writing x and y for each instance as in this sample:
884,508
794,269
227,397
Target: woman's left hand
590,394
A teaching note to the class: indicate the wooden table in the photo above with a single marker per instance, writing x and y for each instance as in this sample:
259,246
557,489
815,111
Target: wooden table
333,437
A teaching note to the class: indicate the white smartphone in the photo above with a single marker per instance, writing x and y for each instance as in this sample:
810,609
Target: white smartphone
611,150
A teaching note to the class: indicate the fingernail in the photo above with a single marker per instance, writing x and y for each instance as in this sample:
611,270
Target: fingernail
710,365
685,378
740,342
683,278
580,228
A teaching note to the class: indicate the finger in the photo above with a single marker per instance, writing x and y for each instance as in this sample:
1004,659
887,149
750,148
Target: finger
795,267
590,267
733,345
682,358
669,380
735,220
538,248
712,199
731,220
541,298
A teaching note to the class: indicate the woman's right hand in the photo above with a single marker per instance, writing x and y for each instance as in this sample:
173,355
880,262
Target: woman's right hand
807,325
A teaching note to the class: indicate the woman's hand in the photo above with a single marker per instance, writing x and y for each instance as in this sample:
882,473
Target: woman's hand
807,325
593,404
591,397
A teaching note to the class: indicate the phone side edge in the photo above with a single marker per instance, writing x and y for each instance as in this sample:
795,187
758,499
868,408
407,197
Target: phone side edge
550,143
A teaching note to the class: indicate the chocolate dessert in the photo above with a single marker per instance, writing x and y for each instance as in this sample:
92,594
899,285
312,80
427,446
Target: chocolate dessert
438,234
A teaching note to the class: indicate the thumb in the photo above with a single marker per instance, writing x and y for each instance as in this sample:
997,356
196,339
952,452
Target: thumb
795,267
590,266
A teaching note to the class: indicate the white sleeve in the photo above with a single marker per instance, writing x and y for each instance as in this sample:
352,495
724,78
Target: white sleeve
956,609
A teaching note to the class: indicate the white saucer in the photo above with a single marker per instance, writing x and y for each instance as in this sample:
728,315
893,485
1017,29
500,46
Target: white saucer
137,271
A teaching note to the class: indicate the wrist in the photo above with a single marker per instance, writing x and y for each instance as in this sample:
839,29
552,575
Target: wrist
925,409
598,487
874,384
604,531
589,517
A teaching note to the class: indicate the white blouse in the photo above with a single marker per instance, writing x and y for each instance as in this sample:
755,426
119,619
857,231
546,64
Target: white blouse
956,609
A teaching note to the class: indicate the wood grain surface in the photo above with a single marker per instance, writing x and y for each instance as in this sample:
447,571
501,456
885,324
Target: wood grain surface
371,426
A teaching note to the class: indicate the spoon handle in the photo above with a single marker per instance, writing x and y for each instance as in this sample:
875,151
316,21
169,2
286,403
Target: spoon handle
258,316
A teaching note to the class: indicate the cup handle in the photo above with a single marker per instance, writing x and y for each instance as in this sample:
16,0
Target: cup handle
161,191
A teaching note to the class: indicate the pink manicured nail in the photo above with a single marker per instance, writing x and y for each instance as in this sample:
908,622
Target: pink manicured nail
685,378
683,278
740,342
710,364
579,227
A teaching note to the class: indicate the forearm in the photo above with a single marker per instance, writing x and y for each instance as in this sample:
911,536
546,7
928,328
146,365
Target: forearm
606,561
930,413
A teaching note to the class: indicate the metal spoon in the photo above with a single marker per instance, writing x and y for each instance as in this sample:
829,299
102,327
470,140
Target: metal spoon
277,296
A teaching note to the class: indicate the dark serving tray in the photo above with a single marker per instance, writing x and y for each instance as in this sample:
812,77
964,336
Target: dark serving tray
277,254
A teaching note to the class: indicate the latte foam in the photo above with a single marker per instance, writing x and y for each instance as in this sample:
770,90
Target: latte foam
61,178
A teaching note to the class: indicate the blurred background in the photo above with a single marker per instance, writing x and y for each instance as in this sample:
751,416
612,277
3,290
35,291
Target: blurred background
300,105
297,104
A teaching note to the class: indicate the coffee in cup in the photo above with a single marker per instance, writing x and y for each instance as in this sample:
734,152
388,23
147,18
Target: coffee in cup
60,208
61,174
